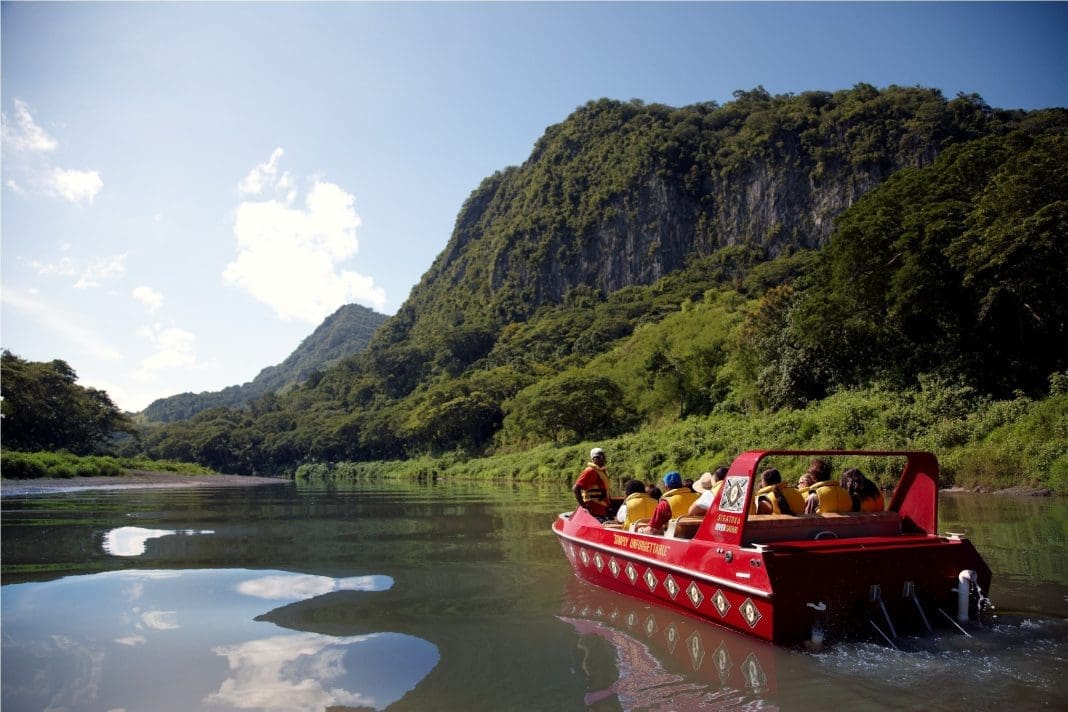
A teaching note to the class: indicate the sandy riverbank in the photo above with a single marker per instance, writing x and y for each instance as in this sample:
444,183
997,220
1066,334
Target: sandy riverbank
136,479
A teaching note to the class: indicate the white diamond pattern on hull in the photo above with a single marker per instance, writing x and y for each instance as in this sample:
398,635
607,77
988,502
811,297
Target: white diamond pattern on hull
750,612
693,592
722,605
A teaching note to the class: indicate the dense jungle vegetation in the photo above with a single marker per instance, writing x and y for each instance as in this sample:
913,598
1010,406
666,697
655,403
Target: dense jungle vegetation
932,315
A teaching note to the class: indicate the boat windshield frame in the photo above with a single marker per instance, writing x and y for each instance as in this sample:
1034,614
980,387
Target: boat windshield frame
915,497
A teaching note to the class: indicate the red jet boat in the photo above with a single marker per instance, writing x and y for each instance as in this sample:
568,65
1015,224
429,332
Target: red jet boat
788,579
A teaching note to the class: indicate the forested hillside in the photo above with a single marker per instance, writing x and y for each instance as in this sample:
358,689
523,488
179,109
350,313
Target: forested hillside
650,264
345,332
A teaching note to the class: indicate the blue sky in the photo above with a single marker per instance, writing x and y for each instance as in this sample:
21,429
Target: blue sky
190,188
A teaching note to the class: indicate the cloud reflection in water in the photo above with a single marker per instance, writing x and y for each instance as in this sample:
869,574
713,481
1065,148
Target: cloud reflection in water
130,541
109,635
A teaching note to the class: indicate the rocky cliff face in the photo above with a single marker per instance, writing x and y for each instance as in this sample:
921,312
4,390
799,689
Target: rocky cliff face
623,194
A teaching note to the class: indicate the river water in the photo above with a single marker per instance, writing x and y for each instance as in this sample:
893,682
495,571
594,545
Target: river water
453,597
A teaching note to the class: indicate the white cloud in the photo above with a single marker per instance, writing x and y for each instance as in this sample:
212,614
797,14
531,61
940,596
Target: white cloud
75,186
151,298
32,174
102,268
62,323
131,541
263,176
175,348
159,620
288,672
289,257
92,273
132,640
65,267
23,134
283,587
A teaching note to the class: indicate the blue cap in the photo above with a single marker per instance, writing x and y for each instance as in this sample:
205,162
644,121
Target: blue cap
673,480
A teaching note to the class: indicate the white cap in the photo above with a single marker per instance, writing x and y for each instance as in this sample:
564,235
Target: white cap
595,452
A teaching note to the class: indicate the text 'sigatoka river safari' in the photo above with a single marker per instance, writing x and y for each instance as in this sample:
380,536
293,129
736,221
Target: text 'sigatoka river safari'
788,579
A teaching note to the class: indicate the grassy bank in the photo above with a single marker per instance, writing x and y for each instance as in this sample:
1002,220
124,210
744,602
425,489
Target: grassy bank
980,443
37,465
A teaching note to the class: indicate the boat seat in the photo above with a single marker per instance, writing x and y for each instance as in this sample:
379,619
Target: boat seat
686,526
762,528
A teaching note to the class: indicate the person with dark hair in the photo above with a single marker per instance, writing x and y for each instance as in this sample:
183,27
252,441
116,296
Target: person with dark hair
637,504
591,487
776,497
826,495
707,487
866,495
654,492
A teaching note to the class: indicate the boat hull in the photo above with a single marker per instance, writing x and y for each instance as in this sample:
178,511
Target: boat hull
780,592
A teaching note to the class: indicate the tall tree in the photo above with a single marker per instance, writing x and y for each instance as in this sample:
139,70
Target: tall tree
45,409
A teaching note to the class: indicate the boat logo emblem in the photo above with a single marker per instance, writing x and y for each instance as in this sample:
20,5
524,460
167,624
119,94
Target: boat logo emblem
650,579
694,592
613,566
750,612
671,586
650,626
598,561
733,498
632,573
719,600
584,555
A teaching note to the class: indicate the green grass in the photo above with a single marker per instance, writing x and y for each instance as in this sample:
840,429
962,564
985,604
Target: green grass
36,465
979,442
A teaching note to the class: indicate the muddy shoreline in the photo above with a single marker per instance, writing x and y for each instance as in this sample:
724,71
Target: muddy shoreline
134,479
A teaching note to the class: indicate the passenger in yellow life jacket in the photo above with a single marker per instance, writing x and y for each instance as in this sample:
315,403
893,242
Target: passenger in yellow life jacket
673,504
637,505
776,497
807,480
826,496
679,497
865,494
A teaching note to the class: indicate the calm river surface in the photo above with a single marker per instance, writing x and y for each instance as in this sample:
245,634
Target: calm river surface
452,597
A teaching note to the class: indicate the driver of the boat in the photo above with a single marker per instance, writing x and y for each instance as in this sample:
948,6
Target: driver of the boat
591,487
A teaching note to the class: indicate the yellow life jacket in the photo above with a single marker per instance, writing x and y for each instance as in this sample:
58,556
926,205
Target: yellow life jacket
680,500
832,497
872,504
792,495
639,506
